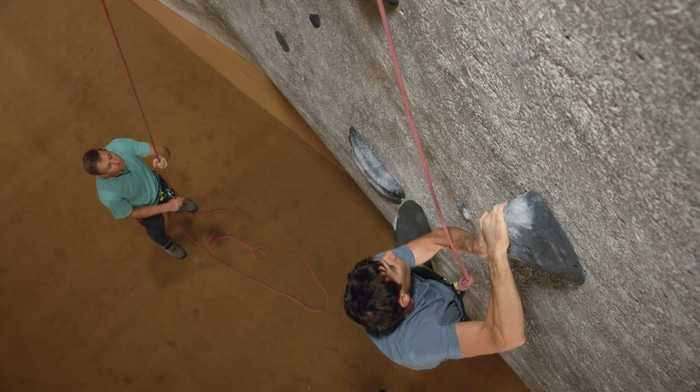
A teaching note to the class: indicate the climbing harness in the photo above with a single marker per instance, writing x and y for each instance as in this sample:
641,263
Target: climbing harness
258,253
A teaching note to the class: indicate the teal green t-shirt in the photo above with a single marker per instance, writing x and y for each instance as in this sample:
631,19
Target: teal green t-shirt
137,186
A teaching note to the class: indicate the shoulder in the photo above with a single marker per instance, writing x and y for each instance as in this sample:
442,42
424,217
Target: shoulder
418,344
403,252
107,189
129,146
119,143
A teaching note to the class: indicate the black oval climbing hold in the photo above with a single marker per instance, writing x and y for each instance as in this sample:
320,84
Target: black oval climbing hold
282,41
381,180
315,20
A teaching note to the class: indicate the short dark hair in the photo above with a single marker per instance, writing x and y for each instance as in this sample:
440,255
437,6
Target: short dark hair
90,159
371,300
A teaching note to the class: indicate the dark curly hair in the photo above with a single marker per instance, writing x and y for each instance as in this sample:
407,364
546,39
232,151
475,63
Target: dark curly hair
90,159
371,300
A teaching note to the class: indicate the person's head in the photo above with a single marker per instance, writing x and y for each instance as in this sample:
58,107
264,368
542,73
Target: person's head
102,163
377,300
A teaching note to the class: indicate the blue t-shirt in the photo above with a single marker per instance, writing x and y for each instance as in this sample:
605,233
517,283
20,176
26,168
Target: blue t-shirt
136,187
428,335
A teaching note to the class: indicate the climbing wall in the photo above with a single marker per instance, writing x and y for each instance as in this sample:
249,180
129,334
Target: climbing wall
593,104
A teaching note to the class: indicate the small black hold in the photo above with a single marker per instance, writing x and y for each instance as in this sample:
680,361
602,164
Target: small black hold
567,36
315,20
639,55
282,41
394,3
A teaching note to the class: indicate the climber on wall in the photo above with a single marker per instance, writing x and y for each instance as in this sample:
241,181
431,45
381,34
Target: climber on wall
418,322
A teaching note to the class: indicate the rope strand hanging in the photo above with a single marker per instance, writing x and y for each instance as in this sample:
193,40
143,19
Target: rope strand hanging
131,79
467,279
257,253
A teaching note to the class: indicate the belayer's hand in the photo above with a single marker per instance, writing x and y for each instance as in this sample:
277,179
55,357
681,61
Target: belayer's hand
175,203
160,163
494,231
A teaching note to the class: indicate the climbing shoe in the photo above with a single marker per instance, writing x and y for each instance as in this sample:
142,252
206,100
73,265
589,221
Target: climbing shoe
188,206
176,251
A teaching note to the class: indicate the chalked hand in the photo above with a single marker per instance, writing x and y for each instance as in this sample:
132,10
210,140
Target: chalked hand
494,231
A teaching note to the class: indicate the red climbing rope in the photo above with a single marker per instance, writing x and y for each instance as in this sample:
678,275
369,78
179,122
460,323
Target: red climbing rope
256,252
259,254
131,80
466,280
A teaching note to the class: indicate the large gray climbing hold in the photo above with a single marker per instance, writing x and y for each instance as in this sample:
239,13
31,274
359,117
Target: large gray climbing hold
537,238
381,180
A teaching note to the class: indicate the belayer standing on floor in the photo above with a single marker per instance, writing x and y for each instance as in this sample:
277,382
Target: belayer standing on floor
130,189
413,316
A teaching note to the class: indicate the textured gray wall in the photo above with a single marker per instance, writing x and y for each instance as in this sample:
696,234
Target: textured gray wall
593,103
208,16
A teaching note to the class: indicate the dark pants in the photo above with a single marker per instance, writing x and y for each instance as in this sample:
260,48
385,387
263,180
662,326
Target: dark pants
155,225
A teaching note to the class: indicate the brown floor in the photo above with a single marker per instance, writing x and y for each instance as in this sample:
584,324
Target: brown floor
89,304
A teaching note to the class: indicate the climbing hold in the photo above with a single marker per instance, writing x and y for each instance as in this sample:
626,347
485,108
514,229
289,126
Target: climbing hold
537,238
411,223
468,217
381,180
315,20
282,41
